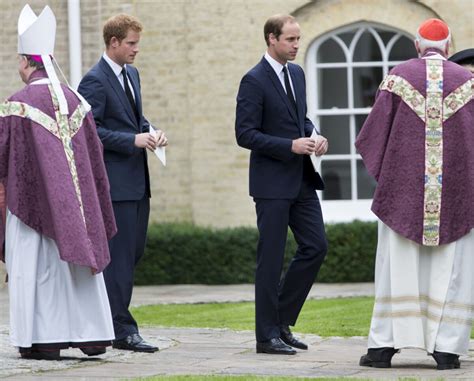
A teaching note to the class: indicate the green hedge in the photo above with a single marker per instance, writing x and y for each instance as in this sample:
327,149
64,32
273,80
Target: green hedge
188,254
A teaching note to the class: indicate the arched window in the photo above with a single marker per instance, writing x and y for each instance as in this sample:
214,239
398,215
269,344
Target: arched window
344,69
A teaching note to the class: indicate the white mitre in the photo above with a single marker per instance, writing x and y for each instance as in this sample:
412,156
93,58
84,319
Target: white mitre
36,34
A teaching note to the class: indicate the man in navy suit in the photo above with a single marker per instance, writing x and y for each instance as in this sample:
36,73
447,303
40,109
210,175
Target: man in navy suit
112,87
271,121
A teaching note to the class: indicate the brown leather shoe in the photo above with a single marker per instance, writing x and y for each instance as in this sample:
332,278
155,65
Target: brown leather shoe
36,354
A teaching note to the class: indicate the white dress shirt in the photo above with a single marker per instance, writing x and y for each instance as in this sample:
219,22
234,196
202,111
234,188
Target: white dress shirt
278,67
117,69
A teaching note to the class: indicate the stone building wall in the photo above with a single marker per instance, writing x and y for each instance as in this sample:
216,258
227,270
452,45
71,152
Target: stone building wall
193,54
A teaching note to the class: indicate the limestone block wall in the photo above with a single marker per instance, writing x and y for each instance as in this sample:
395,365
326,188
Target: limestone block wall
193,55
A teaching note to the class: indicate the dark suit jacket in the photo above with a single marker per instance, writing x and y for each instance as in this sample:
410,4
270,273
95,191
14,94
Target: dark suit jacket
117,126
266,123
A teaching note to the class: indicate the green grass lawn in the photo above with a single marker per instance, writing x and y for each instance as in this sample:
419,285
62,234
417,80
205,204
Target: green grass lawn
328,317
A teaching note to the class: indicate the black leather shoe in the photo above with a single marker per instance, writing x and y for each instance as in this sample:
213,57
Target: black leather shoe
287,337
446,361
35,354
93,351
378,357
134,343
275,347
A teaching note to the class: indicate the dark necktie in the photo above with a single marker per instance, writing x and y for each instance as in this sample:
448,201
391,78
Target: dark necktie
128,92
289,92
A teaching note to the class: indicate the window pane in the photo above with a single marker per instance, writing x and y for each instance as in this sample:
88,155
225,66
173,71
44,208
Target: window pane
367,49
366,83
332,88
330,51
347,37
385,36
359,120
365,183
336,130
403,49
337,178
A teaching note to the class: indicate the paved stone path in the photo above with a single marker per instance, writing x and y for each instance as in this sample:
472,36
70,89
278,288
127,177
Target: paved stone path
216,351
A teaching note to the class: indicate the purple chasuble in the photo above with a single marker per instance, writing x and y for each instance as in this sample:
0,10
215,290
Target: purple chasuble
53,172
418,143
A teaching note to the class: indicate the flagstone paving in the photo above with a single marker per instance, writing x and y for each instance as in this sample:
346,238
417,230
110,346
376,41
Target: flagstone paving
221,351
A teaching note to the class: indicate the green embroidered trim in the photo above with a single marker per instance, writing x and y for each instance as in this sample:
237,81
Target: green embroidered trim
77,118
24,110
433,152
67,130
458,99
411,96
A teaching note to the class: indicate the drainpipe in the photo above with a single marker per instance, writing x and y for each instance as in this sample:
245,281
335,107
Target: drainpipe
75,54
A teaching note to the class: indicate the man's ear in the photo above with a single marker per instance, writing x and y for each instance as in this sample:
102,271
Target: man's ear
114,42
272,38
447,48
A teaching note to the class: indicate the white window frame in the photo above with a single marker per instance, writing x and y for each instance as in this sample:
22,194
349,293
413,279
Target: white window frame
347,210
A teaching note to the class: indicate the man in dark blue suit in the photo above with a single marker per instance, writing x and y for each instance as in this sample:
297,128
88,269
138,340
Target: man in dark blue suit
112,87
271,121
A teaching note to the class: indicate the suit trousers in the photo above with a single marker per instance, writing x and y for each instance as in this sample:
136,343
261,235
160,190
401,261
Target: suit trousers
126,249
278,300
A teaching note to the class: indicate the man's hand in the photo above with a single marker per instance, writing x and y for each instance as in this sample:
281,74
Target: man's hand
145,140
303,146
161,139
321,146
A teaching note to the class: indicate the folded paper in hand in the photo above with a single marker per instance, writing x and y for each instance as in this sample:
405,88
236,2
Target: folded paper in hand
315,160
160,152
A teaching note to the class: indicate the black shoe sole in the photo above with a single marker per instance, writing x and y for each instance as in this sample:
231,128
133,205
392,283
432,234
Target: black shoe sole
93,352
276,352
151,350
40,356
447,366
376,364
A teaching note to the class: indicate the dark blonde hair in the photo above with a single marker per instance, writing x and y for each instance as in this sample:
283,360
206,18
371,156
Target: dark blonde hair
118,27
274,25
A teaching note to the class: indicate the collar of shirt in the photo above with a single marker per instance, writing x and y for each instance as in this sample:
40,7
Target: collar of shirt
117,69
278,68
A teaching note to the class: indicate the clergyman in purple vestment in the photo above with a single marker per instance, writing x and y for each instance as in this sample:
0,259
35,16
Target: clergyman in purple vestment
418,143
59,215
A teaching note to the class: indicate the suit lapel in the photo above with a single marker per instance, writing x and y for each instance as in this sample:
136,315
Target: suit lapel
300,95
115,84
277,84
